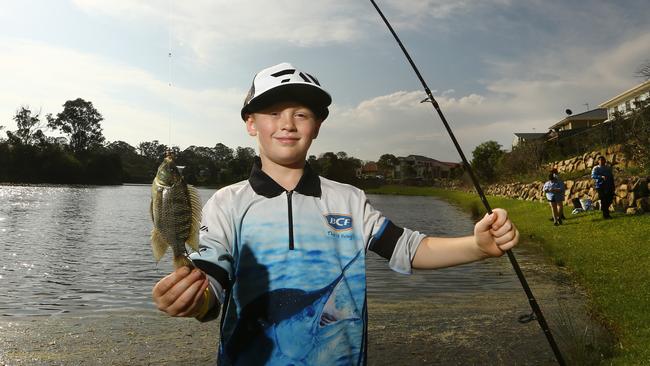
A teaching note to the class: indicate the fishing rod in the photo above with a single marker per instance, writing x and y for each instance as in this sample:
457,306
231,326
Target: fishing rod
515,265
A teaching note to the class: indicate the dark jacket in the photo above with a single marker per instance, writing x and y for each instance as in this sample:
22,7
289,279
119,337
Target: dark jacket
606,183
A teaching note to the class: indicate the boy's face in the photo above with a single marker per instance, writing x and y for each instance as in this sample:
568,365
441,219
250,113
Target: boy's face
284,132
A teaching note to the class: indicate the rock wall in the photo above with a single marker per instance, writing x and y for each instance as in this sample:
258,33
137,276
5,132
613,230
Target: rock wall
614,155
631,192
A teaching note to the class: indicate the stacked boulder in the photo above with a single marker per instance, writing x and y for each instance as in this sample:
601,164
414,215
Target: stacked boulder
614,155
631,195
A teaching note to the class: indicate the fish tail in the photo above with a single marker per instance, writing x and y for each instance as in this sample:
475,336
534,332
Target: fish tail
181,261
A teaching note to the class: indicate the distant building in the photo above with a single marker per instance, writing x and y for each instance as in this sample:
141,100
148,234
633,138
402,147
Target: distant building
423,168
575,123
627,101
369,169
580,121
523,137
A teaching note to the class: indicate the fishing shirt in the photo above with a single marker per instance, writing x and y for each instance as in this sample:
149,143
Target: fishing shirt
289,268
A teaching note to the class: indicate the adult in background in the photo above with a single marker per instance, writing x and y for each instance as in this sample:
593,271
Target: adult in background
604,184
554,190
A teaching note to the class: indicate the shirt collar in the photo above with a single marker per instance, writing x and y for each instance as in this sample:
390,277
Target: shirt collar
262,184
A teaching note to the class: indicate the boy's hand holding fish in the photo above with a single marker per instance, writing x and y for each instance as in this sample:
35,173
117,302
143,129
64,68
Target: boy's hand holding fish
184,292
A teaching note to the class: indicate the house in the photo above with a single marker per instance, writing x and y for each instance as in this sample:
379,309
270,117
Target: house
369,169
627,101
523,137
580,121
423,168
573,124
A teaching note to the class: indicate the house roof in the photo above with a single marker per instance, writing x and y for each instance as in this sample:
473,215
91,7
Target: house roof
369,167
592,115
627,95
424,158
530,135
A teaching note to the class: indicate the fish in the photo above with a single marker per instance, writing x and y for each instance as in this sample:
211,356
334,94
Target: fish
271,324
176,214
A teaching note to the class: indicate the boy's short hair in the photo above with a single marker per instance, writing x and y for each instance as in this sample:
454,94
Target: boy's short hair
283,83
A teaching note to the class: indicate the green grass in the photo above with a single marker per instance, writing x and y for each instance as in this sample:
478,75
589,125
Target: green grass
611,259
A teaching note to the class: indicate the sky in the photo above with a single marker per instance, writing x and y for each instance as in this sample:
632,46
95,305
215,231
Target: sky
496,67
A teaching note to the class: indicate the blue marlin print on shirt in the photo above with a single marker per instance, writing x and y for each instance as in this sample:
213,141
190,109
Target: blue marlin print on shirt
289,326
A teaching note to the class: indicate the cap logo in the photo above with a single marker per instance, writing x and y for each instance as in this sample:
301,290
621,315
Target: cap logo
304,76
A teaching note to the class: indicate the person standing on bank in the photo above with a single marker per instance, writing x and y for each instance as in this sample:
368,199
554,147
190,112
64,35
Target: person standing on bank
554,190
283,253
604,184
555,172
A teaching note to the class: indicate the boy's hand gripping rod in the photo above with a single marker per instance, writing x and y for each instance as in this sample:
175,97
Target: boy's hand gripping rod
531,298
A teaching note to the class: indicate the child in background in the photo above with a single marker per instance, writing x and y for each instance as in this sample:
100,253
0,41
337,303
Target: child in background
554,190
554,171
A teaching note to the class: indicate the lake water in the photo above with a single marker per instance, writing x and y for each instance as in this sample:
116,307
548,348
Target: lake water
73,249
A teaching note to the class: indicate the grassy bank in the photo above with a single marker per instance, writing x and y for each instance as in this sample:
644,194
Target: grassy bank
611,259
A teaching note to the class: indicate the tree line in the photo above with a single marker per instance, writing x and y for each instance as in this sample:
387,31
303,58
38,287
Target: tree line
83,156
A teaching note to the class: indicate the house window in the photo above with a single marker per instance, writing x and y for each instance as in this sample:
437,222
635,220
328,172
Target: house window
627,105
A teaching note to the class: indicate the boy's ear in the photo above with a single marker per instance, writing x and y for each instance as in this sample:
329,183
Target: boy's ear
317,129
250,125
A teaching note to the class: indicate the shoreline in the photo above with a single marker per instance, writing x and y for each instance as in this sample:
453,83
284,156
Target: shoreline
458,329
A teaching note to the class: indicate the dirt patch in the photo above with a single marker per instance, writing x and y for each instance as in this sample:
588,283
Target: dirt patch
463,329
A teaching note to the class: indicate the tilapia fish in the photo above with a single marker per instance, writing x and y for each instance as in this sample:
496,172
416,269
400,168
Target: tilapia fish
176,214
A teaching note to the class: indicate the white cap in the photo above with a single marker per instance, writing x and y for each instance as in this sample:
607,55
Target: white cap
283,82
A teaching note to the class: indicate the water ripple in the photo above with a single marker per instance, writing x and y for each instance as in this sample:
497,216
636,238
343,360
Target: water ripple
66,249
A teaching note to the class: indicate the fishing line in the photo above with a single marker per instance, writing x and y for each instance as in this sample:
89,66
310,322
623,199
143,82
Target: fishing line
515,265
169,68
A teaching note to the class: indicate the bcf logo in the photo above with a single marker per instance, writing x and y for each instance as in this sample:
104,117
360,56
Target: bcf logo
339,222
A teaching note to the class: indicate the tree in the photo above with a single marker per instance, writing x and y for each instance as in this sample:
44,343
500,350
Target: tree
339,167
135,167
526,158
386,164
152,150
121,148
240,166
644,70
486,159
222,154
81,122
314,164
30,127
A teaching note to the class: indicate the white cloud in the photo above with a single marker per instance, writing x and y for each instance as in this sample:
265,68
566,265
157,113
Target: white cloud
528,90
525,96
135,105
205,25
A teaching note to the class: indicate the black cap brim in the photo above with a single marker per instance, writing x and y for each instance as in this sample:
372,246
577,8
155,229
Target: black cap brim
311,96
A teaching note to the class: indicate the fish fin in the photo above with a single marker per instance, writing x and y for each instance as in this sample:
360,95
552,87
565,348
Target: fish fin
195,225
158,244
181,260
156,202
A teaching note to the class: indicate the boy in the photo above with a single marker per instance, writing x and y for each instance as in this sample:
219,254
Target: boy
284,251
